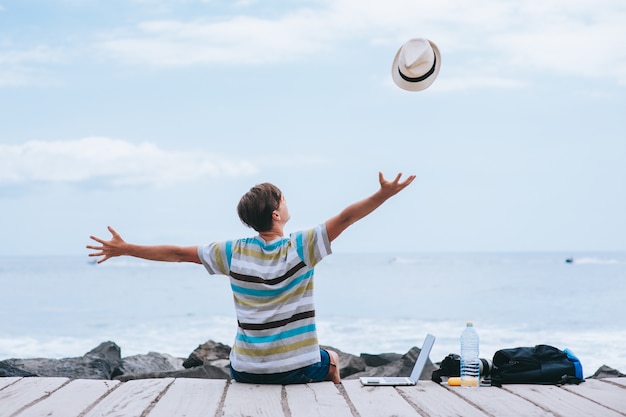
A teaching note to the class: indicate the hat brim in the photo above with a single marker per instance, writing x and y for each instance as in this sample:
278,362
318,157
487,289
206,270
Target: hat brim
415,85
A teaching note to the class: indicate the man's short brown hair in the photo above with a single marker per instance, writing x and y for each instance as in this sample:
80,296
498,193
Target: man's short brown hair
256,206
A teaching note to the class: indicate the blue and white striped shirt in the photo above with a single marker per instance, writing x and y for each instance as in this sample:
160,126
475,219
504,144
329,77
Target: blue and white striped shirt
272,285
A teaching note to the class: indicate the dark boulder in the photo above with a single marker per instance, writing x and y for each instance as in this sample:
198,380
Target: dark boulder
401,367
380,359
7,369
203,371
607,372
100,363
207,354
152,362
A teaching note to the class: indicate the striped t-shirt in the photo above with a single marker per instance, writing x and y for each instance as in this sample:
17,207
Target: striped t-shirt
272,285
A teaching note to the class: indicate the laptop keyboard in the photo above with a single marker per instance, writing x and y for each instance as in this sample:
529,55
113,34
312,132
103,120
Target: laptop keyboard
396,379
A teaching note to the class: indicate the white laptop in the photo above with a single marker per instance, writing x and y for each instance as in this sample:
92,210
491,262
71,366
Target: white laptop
420,363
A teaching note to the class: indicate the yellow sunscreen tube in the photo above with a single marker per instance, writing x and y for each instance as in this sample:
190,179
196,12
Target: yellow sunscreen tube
454,381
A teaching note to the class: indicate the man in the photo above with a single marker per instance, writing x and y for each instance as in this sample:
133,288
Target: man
272,281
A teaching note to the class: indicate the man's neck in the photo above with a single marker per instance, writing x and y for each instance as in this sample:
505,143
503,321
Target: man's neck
271,235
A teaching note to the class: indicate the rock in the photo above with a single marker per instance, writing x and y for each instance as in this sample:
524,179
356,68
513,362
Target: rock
100,363
381,359
207,353
10,370
221,363
607,372
152,362
348,364
400,367
209,360
109,351
204,371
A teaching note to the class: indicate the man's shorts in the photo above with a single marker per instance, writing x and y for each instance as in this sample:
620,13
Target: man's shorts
313,373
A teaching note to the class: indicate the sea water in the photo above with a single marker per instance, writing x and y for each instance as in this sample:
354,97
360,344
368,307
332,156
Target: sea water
366,303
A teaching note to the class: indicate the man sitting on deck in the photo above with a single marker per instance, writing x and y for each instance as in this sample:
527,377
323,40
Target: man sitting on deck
271,277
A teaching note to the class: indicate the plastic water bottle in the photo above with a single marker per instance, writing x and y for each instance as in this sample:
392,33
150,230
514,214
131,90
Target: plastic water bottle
470,363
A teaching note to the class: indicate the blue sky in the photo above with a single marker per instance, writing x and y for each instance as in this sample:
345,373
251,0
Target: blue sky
156,116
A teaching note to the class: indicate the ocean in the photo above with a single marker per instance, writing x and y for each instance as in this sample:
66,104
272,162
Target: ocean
59,307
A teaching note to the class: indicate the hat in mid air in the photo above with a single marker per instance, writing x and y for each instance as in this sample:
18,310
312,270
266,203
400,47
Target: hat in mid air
416,64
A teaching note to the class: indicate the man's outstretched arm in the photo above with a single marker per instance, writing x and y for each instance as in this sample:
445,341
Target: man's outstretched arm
356,211
118,247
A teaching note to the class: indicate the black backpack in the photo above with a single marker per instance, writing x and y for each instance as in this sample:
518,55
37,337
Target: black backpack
542,364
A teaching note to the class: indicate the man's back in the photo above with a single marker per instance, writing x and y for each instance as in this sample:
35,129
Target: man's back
272,284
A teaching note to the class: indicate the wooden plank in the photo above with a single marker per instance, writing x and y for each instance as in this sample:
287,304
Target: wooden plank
38,397
245,400
72,399
499,402
601,392
433,400
320,399
25,391
560,401
131,399
190,397
377,401
6,381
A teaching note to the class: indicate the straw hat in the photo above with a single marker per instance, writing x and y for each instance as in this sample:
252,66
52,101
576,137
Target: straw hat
416,64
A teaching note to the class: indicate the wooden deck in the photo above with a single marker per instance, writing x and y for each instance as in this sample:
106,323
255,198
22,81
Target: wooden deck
31,397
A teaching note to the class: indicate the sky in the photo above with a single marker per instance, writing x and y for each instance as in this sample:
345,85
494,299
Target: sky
156,116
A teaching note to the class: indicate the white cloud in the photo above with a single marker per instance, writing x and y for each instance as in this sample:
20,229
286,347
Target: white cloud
21,67
579,38
239,40
114,162
501,39
39,53
574,41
